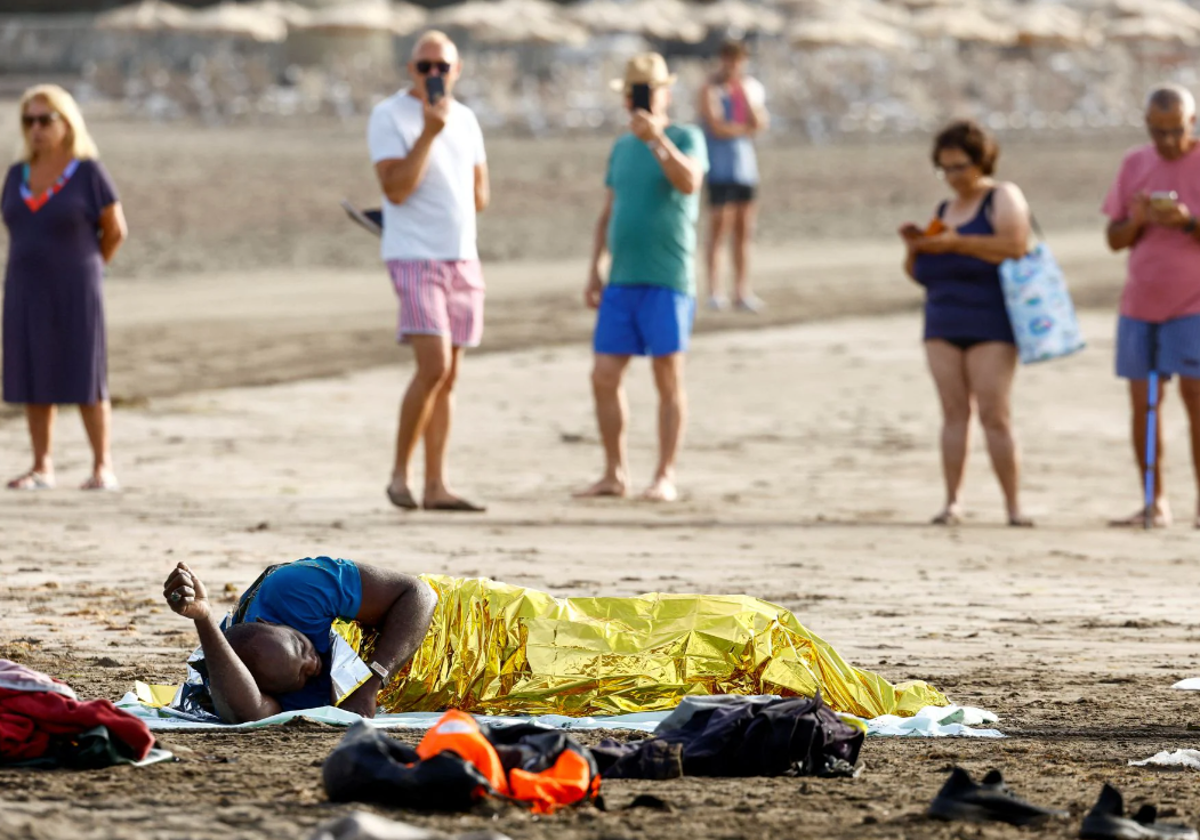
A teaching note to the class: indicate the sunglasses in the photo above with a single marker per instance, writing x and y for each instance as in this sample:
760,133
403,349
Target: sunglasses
425,67
44,120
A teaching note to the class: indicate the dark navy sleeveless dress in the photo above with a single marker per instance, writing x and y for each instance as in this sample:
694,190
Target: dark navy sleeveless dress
964,303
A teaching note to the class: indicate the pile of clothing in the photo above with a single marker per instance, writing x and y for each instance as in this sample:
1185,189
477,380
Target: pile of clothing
43,724
459,763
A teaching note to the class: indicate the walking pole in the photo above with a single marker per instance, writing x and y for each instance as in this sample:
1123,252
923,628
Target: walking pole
1151,431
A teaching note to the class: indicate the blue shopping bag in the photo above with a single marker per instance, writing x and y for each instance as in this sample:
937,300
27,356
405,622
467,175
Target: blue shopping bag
1039,306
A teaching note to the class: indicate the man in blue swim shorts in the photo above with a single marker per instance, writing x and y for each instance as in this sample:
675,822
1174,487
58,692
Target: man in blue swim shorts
274,655
648,225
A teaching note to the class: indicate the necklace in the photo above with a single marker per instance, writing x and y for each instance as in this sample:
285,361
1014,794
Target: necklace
36,202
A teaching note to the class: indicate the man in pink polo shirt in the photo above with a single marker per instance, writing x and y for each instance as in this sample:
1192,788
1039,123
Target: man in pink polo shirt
1148,211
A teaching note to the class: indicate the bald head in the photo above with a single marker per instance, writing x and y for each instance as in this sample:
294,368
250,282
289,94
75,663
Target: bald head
434,54
440,40
1170,120
1172,98
280,659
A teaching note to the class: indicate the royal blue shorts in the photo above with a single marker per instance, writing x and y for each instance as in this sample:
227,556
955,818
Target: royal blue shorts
643,321
1177,341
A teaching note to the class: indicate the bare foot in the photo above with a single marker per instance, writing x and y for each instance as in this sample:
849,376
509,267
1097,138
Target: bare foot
1162,518
606,488
401,496
662,490
1016,520
951,515
443,499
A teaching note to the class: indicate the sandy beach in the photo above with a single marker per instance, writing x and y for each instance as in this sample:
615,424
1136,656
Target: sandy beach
254,422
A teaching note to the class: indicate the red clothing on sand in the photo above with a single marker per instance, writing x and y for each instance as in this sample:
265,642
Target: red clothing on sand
29,719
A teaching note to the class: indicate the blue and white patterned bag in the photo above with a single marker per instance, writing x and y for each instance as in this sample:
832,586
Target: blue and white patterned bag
1039,306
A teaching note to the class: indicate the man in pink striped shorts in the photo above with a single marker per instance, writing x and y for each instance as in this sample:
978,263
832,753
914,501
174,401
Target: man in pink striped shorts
428,154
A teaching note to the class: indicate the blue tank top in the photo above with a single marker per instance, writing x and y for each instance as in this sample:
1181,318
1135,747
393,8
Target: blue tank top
731,160
963,296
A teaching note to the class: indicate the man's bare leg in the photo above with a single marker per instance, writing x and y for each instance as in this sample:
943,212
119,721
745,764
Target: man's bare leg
1189,390
433,358
948,366
720,221
437,435
672,413
612,411
40,419
743,235
1139,399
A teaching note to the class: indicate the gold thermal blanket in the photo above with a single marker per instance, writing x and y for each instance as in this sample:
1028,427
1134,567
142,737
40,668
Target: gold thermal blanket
499,649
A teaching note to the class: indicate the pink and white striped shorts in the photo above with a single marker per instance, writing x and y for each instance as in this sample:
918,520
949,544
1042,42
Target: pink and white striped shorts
439,297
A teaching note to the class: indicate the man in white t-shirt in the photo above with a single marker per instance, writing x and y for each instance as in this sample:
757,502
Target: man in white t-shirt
428,155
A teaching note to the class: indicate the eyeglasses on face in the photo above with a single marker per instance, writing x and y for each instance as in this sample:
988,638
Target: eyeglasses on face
44,120
953,169
425,67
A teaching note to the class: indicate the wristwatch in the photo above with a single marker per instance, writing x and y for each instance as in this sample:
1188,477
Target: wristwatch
380,670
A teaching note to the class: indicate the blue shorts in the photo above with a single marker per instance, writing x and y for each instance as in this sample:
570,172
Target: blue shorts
1178,344
643,321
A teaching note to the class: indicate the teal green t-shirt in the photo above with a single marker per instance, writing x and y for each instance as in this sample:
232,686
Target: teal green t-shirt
652,229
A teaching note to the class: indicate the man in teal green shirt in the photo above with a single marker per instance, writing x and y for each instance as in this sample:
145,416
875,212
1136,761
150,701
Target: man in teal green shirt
648,224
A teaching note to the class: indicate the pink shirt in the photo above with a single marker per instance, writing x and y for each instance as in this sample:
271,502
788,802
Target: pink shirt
1164,264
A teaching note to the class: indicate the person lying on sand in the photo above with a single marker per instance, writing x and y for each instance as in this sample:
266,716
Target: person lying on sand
276,655
493,648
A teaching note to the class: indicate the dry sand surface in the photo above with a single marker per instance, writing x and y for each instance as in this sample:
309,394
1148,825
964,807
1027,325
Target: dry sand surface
810,469
257,386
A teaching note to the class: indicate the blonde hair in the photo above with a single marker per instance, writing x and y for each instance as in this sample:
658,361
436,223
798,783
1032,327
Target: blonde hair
81,144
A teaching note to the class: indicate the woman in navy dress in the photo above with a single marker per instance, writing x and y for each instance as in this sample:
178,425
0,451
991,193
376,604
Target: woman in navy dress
968,338
64,224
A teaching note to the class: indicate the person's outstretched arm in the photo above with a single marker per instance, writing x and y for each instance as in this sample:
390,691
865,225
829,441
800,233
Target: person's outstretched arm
400,607
235,695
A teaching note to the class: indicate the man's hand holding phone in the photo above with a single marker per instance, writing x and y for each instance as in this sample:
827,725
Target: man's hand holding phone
437,105
1166,210
646,126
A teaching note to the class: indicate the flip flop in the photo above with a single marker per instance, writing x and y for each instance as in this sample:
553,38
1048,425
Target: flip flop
32,480
1162,519
107,483
404,500
455,506
946,518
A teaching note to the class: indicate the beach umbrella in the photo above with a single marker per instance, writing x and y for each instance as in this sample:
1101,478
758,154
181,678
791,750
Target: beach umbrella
848,32
1147,30
965,24
1053,26
666,20
511,22
144,16
738,15
239,21
365,16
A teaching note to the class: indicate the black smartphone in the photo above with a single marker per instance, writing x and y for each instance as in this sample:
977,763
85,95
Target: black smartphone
435,89
640,97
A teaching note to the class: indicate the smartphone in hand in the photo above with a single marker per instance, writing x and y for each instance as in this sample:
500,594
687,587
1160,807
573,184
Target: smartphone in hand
640,97
1163,199
435,89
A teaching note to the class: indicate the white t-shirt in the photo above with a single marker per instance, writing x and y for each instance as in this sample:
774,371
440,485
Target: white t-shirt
436,222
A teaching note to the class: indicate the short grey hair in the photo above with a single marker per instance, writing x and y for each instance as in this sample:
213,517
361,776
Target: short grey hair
1171,96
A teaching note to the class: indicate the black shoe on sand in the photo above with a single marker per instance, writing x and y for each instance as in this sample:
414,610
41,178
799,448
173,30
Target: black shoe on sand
961,798
1107,821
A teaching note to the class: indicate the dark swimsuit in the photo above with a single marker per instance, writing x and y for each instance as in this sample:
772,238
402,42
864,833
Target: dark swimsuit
964,302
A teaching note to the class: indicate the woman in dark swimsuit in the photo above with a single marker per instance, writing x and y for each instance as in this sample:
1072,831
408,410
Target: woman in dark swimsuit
968,338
